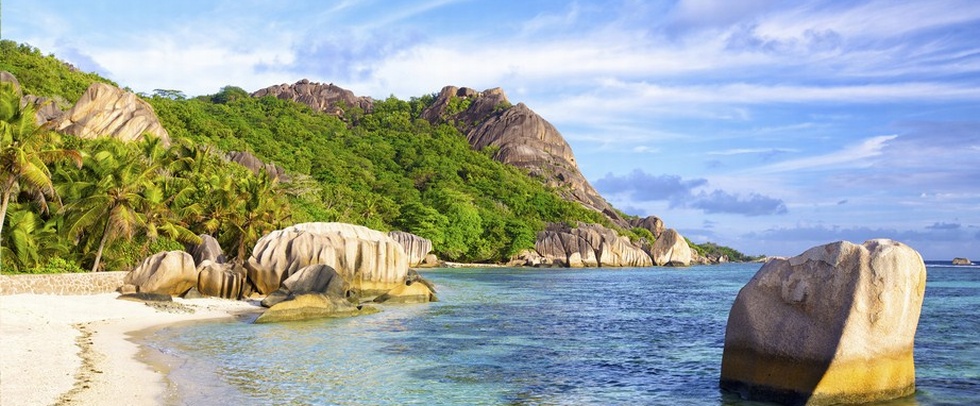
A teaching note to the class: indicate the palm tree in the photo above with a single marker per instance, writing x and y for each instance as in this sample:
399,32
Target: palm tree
32,240
25,152
262,210
112,195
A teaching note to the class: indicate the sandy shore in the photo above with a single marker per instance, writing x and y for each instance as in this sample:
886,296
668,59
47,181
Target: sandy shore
77,350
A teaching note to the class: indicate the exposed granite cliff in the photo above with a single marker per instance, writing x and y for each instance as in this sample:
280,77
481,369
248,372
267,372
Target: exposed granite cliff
108,111
102,111
327,98
522,138
256,165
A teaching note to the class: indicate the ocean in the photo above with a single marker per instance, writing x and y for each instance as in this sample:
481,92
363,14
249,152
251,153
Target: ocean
650,336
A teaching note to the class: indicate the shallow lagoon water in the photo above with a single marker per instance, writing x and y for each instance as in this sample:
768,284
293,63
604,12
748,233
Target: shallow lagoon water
537,337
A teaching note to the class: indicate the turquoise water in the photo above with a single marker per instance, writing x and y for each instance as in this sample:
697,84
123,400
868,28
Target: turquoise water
537,337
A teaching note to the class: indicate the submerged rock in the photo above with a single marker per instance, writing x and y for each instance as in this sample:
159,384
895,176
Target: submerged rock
313,306
408,293
833,325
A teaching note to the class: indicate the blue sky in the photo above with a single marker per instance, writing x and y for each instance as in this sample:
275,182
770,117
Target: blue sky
768,126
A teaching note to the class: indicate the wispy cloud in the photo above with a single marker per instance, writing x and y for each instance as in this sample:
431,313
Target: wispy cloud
853,156
745,151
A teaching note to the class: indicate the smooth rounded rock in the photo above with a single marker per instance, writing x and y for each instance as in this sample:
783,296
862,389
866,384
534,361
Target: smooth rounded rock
171,273
835,324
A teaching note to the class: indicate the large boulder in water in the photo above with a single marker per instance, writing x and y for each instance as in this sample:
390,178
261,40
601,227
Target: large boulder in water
833,325
416,247
108,111
588,245
171,273
371,260
671,249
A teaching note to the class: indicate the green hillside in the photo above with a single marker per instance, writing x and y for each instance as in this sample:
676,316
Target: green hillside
389,170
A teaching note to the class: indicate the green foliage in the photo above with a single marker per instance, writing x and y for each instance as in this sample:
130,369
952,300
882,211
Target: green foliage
387,169
45,75
229,94
393,170
457,105
638,233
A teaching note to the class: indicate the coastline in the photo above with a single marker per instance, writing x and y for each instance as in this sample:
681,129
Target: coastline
84,349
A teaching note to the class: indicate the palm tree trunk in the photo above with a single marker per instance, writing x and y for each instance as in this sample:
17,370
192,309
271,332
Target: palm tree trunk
3,215
3,207
98,254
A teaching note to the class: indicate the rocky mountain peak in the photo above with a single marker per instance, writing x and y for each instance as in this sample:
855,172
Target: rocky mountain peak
522,137
327,98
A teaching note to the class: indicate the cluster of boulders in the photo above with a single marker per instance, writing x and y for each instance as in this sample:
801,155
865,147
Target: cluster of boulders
305,270
594,245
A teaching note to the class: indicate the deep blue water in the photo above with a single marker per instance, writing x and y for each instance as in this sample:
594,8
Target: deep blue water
537,337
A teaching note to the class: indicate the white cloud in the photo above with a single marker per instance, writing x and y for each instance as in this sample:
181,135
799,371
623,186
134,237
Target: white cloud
744,151
853,156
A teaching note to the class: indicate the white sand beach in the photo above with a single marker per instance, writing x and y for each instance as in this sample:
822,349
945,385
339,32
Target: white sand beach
78,350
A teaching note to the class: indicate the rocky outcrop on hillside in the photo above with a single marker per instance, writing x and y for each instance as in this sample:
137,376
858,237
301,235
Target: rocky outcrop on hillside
108,111
653,224
254,164
327,98
833,325
45,109
7,77
586,245
522,138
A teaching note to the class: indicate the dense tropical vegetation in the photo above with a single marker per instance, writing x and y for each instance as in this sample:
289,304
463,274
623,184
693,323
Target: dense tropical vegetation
72,204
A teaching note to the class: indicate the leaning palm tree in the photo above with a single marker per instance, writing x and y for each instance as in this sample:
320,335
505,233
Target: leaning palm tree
25,152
